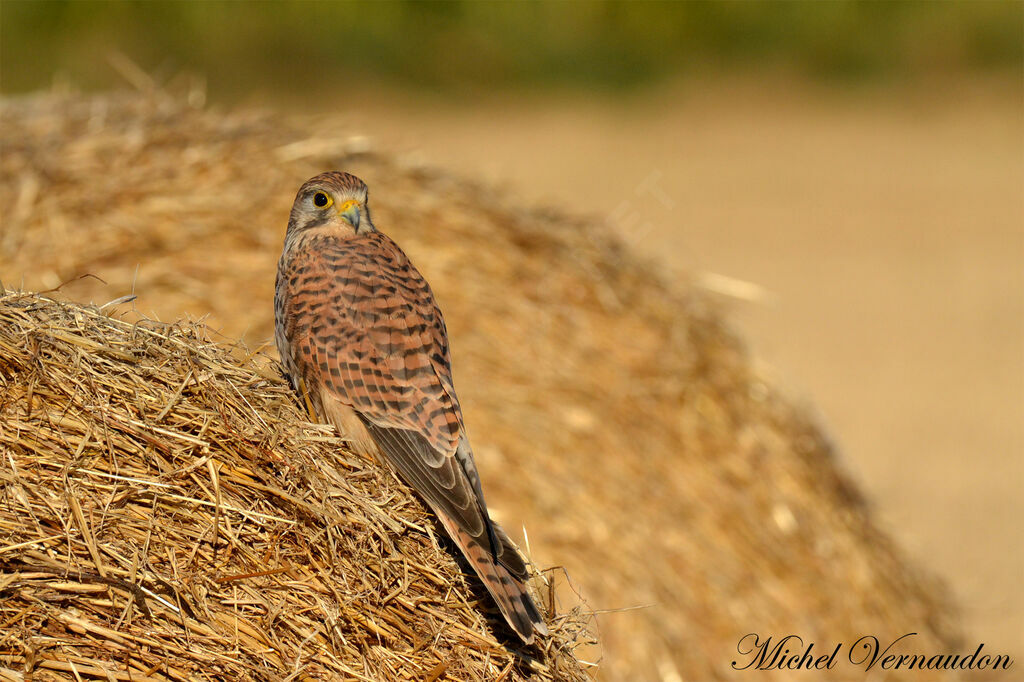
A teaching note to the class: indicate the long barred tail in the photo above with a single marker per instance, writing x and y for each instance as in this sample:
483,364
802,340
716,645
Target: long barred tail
504,579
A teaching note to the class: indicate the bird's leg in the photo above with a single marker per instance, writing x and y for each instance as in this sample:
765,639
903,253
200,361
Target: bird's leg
310,412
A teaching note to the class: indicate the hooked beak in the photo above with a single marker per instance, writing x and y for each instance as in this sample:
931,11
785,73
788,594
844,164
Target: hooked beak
350,212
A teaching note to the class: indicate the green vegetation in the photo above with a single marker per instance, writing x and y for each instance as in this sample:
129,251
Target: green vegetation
298,46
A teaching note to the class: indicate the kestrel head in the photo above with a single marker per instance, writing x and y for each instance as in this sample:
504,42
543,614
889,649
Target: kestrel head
334,201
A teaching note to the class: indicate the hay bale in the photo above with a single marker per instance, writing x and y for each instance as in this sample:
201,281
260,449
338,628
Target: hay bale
614,412
167,514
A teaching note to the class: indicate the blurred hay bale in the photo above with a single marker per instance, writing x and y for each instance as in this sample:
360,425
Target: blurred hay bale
167,514
613,412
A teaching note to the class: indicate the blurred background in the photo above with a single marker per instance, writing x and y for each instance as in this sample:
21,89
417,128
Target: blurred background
847,176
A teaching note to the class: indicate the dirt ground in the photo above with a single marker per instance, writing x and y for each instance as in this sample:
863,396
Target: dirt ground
873,242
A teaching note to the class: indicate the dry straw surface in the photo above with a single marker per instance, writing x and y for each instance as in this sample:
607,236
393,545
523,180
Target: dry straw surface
168,514
614,416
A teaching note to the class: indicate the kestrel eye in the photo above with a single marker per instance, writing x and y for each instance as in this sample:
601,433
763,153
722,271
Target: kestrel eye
321,200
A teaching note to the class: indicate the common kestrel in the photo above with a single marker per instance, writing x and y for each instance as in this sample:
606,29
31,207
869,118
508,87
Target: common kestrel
363,341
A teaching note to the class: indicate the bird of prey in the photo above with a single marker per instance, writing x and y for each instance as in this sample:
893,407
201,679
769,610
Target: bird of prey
364,343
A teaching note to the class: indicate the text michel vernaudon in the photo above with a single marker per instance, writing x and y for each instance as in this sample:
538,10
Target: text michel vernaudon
792,653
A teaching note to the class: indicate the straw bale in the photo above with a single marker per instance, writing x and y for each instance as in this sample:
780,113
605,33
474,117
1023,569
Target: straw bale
168,514
614,413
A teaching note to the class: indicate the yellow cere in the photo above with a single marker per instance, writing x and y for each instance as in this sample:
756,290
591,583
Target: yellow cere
347,205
